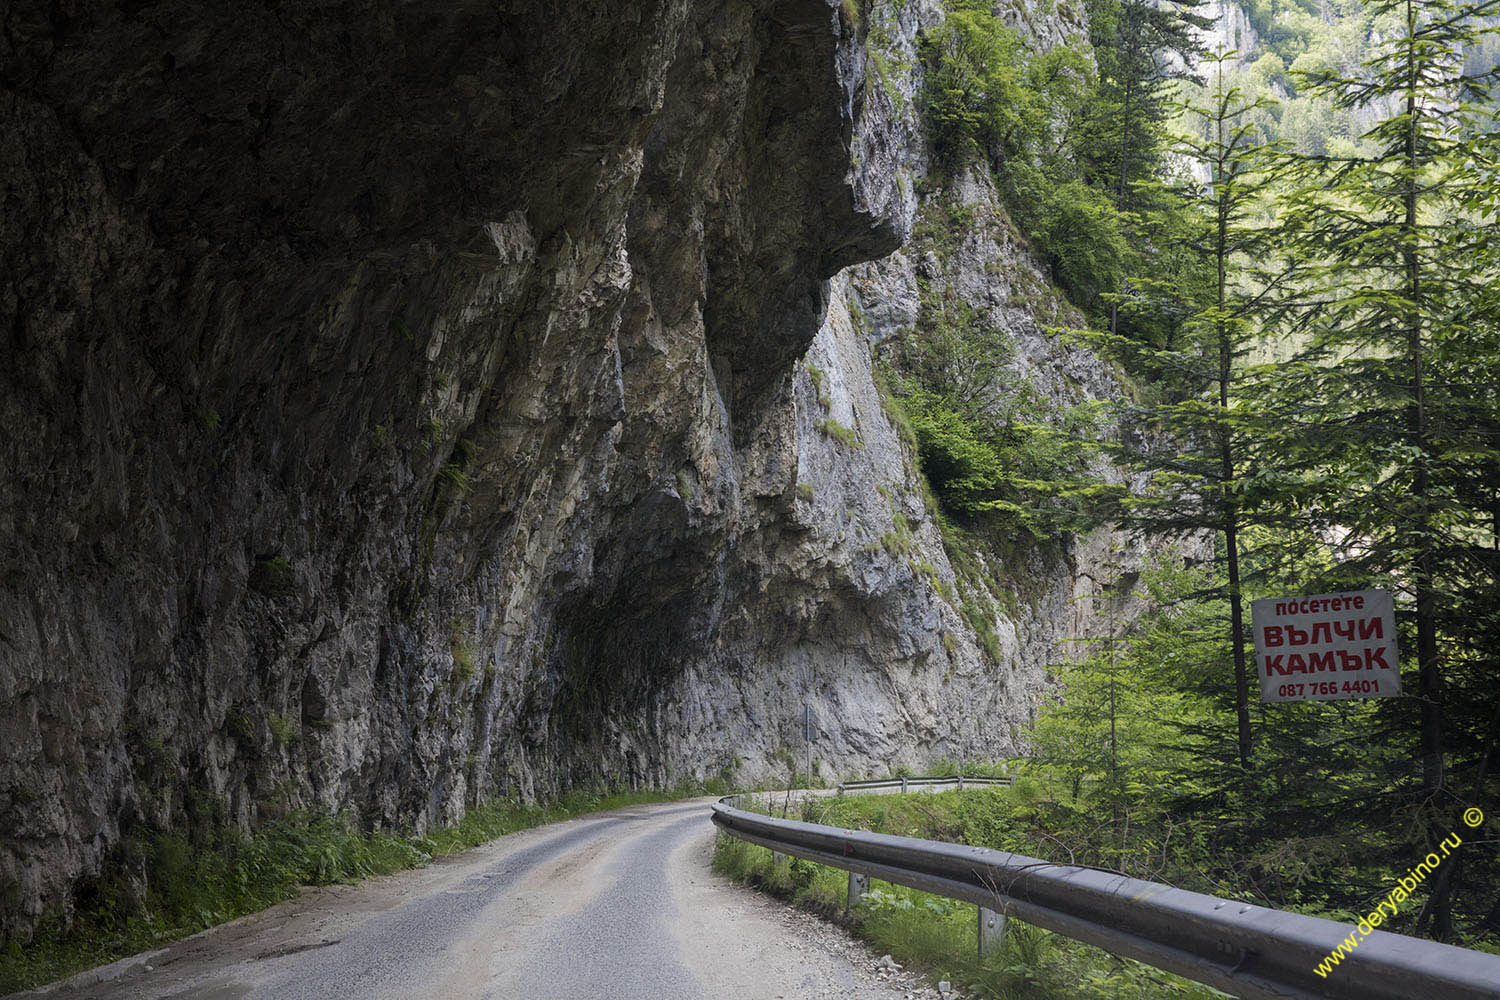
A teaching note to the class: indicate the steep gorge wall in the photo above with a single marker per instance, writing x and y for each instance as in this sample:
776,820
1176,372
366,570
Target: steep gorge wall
401,407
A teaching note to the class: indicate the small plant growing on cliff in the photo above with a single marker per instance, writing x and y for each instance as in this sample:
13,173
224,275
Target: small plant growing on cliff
854,15
237,723
844,436
818,380
805,492
899,540
684,487
463,653
283,731
455,472
273,577
456,477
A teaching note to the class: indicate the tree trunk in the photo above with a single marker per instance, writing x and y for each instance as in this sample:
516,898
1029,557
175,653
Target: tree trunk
1429,670
1229,507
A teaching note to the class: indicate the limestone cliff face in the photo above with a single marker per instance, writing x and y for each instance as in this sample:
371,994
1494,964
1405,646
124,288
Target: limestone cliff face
403,405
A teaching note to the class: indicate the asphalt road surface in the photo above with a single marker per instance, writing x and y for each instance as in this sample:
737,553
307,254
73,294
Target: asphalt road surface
614,906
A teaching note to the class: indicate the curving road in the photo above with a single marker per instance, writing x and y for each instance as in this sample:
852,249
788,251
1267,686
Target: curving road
614,906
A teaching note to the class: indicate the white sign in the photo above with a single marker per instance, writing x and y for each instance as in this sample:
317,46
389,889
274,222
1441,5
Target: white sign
1326,647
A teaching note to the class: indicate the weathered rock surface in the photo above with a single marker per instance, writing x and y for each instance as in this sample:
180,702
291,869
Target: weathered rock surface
403,405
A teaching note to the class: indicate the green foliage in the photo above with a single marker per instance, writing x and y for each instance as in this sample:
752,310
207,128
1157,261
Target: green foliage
854,14
1364,456
805,492
1142,48
980,464
190,885
283,730
899,541
989,101
455,472
455,477
462,648
819,377
1393,267
846,437
1141,745
273,576
1081,238
976,102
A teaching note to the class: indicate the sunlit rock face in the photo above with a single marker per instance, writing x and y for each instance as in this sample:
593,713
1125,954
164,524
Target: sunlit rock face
405,404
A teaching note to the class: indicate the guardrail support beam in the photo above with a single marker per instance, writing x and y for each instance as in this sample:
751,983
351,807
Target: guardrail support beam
991,931
858,886
903,786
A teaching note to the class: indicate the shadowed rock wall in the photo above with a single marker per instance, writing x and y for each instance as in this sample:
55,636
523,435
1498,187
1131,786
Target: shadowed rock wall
358,359
401,404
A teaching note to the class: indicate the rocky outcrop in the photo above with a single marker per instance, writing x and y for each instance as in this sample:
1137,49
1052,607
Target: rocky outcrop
408,405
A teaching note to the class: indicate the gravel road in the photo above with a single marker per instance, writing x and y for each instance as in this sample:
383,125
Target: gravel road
614,906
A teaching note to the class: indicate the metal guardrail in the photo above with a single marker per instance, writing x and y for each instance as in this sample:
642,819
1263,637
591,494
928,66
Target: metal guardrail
1245,950
959,781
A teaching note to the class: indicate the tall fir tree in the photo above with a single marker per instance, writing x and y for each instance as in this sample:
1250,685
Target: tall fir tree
1203,422
1142,48
1396,275
1232,149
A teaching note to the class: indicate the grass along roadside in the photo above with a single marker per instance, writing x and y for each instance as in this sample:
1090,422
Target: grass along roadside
938,936
163,887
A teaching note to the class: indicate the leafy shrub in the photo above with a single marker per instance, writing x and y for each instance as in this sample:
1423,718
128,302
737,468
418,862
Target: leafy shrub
1081,239
977,103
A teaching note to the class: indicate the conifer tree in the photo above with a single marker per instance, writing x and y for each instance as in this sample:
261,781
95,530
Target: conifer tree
1396,276
1205,424
1232,152
1142,48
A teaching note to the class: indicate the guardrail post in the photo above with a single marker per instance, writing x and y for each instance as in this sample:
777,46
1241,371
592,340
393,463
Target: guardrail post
991,931
777,859
960,782
903,786
858,886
